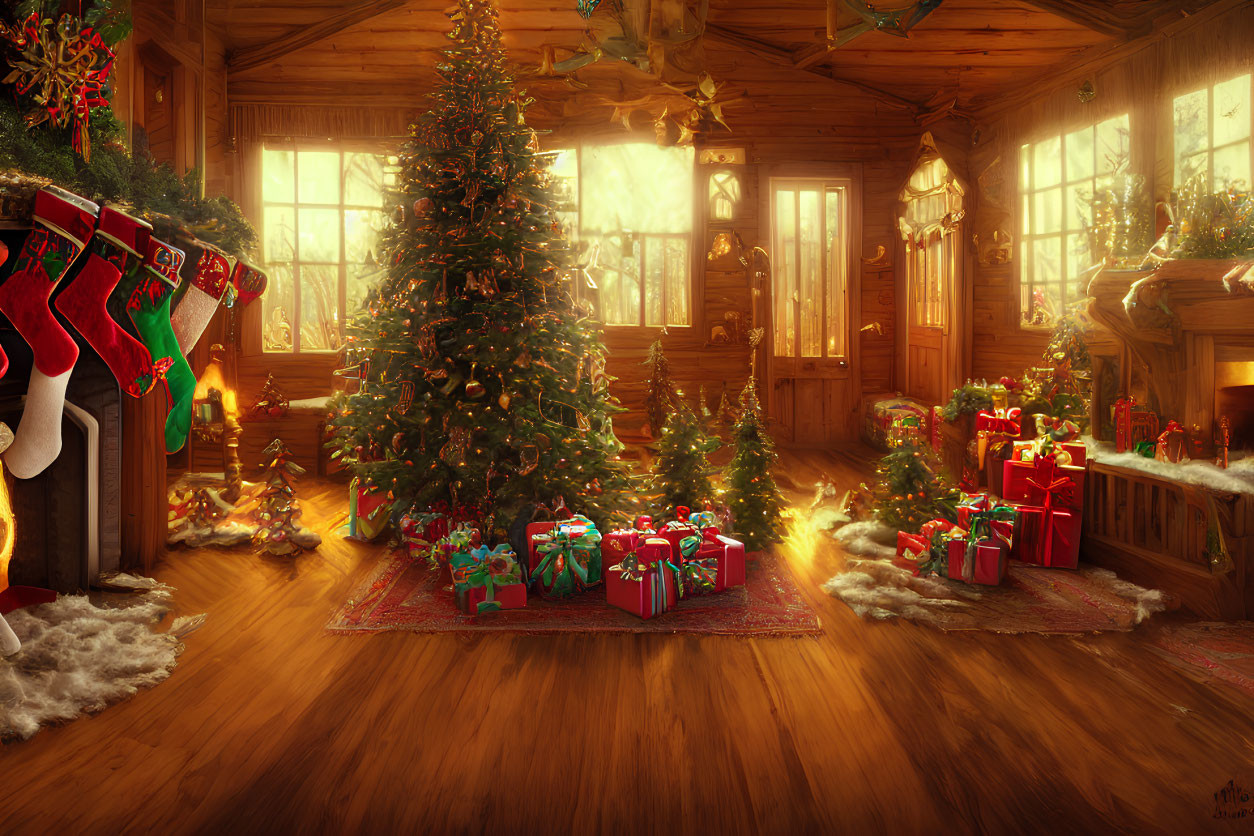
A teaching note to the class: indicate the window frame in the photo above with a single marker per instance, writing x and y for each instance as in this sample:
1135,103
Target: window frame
850,206
1210,148
949,258
341,207
646,239
1025,280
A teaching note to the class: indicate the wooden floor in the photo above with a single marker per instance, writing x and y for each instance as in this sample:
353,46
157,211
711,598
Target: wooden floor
270,725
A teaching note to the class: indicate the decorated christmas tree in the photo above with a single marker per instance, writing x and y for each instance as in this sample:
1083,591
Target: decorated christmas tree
909,491
681,464
1060,388
754,499
659,390
482,383
278,513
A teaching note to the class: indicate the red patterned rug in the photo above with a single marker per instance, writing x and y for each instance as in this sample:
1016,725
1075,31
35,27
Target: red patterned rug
404,594
1223,650
1032,599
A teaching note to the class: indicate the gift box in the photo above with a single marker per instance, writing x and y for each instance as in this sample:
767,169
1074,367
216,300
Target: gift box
674,533
1023,481
711,563
968,504
912,550
568,558
617,544
643,589
1007,423
1049,529
981,561
490,580
369,510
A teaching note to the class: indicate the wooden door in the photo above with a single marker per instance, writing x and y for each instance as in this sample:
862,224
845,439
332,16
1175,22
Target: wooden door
814,232
159,106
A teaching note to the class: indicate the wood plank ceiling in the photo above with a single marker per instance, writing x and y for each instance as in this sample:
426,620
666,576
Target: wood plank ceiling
961,57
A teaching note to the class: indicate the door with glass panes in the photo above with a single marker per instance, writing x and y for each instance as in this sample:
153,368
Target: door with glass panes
812,372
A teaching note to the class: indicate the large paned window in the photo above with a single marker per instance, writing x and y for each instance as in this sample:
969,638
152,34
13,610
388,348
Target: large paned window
1059,176
932,203
629,210
1212,134
810,267
322,220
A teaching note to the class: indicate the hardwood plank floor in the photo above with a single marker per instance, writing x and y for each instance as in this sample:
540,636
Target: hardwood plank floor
271,725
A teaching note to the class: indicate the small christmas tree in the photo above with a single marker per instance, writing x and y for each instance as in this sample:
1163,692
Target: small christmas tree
278,518
754,499
681,466
270,401
909,490
1060,388
659,390
725,415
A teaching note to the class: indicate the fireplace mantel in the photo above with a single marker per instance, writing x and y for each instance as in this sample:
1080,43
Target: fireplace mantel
1175,319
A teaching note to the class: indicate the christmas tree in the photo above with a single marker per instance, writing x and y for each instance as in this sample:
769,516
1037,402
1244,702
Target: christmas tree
659,391
909,491
1061,387
681,464
482,384
278,514
755,501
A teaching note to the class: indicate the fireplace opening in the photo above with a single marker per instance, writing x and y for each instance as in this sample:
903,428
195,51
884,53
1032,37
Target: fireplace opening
1234,399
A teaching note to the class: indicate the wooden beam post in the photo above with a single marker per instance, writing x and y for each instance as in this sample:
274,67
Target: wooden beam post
1096,16
261,54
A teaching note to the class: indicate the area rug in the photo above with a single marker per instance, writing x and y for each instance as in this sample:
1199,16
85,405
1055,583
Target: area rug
1031,600
78,658
404,594
1222,650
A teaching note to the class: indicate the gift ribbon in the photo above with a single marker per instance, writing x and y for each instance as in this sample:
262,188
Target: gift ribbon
558,554
1051,487
703,573
980,527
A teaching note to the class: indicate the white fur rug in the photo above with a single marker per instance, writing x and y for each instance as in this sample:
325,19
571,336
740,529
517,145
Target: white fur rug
77,657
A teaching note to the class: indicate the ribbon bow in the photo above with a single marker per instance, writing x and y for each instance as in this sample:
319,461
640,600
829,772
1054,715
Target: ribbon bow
980,527
1050,486
558,553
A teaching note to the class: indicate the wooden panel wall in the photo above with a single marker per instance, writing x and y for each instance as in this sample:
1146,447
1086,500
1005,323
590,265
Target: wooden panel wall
1140,78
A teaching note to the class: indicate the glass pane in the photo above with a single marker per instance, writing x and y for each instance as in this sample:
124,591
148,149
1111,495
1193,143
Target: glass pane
1114,144
1080,155
1232,165
1026,216
1078,259
1046,212
638,187
320,235
677,282
319,308
1025,167
279,233
1191,118
1191,166
810,275
1047,162
1047,261
319,176
654,251
564,180
366,263
836,279
785,249
1232,111
363,179
278,304
1079,206
724,195
620,280
278,183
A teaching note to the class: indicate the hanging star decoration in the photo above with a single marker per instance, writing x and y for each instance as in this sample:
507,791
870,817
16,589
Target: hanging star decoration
64,68
895,22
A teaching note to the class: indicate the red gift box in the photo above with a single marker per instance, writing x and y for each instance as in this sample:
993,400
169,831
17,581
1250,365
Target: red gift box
674,533
912,549
652,549
731,559
1008,424
971,502
1048,537
618,544
1022,482
653,592
987,564
511,596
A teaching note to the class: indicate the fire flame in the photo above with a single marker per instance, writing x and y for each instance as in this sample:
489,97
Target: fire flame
9,533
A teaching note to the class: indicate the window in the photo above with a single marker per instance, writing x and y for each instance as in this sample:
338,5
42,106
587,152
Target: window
1212,134
629,209
724,195
933,209
322,218
809,242
1059,177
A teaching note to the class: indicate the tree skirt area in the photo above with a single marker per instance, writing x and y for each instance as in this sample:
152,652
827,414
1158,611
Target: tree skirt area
1218,650
406,594
79,657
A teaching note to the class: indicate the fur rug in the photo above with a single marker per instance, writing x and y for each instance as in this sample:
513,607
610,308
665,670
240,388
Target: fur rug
1032,599
78,657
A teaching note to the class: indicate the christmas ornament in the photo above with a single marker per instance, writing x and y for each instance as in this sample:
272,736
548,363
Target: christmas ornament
474,388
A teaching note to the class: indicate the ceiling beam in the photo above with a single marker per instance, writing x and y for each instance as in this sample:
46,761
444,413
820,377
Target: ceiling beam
256,56
1095,16
784,58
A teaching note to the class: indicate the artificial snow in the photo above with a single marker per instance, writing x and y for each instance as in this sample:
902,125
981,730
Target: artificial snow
880,591
79,658
1238,478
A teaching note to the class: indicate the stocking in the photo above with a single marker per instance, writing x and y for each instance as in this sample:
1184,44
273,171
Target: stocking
149,310
249,282
196,308
63,225
119,239
4,358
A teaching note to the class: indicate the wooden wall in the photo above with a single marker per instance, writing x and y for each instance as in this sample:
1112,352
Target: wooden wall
1139,77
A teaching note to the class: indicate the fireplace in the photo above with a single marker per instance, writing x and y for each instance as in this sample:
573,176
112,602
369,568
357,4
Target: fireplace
68,518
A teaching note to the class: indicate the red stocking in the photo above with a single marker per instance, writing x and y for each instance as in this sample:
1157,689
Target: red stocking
63,225
119,238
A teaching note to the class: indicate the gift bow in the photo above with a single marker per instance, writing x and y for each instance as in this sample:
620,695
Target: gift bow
558,551
702,573
632,568
1050,486
702,519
